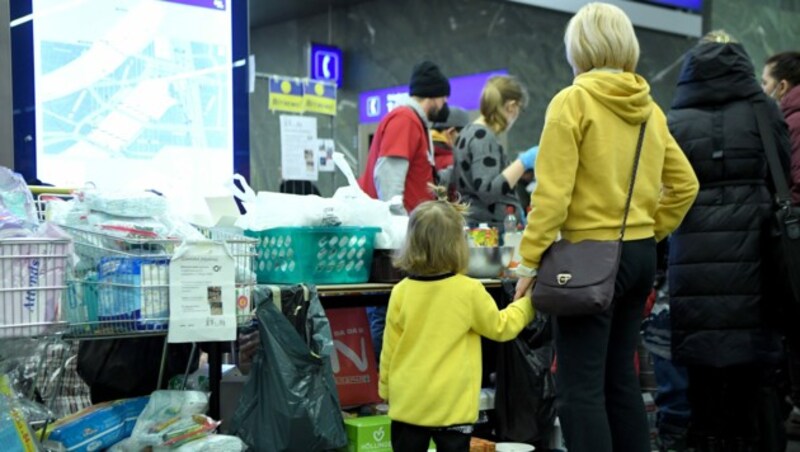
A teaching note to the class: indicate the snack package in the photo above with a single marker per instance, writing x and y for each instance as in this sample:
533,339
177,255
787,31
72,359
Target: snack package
15,435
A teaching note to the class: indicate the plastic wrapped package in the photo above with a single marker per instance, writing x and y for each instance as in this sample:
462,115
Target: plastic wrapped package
139,204
16,196
15,435
165,406
212,443
97,427
167,416
12,226
20,365
290,402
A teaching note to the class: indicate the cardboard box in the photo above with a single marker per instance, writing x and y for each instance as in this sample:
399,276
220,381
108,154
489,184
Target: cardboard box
370,433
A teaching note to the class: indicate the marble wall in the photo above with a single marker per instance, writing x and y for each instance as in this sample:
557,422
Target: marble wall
383,39
764,27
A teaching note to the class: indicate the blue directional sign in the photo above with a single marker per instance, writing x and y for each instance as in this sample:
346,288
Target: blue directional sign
325,63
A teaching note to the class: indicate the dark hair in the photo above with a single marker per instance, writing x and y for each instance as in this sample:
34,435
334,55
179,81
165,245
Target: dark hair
785,66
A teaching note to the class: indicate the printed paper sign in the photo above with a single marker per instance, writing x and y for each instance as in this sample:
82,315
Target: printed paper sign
202,293
299,148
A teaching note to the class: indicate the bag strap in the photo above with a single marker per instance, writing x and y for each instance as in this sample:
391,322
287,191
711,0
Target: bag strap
633,179
771,151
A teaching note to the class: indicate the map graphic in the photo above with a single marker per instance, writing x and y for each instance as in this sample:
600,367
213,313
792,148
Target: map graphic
133,92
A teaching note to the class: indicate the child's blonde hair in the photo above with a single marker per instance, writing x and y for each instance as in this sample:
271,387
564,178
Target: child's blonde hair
435,243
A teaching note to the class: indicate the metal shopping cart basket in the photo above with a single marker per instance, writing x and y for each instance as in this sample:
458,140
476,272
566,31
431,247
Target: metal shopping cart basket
33,274
121,284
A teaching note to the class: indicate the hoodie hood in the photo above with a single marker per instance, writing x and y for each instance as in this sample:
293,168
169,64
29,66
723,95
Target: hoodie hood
624,93
715,74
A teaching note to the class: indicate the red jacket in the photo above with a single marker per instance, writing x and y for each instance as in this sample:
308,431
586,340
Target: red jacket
790,104
401,134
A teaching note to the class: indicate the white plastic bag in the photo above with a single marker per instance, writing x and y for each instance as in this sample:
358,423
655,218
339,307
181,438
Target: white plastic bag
358,209
267,210
16,196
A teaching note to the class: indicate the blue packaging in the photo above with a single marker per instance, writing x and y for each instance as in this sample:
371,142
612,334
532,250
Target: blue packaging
99,426
134,291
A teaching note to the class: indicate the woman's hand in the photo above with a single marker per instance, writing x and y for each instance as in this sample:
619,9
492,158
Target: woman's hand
524,286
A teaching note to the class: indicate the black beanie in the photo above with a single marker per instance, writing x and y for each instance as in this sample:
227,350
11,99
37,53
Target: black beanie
428,81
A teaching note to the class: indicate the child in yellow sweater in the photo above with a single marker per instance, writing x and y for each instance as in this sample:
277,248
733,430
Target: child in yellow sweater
430,367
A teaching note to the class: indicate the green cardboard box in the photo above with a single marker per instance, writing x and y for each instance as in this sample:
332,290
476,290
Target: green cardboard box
368,434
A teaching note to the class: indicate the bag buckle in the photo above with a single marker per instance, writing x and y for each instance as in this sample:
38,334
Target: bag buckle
563,278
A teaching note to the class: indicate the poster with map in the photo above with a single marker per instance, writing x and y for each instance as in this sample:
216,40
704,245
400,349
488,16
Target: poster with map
134,94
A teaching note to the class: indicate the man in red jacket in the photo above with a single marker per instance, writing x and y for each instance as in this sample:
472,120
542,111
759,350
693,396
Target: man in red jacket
781,81
400,160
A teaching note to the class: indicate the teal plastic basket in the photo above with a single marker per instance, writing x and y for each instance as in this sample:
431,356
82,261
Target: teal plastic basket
314,255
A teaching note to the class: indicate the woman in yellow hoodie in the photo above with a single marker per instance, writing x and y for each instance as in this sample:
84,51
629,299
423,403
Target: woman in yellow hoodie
584,168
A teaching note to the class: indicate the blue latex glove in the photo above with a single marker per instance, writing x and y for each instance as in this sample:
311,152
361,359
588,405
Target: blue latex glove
528,158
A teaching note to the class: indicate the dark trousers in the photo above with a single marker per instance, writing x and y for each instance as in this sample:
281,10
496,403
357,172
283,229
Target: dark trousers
377,323
734,409
793,349
413,438
598,396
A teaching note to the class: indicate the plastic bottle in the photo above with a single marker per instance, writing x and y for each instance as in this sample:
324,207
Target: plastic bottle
510,221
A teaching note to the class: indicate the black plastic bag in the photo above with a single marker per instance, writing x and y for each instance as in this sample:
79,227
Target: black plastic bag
290,402
122,368
525,397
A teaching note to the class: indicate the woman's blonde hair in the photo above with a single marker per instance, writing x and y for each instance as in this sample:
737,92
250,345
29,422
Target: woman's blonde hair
435,243
600,35
719,37
498,90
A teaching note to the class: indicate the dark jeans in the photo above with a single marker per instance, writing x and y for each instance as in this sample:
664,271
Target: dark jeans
377,323
413,438
673,404
598,395
671,397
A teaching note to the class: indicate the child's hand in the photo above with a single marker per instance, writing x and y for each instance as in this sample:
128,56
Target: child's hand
524,286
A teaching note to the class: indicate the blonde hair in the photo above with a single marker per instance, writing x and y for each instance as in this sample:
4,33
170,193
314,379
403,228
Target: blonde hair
498,90
435,243
600,35
719,37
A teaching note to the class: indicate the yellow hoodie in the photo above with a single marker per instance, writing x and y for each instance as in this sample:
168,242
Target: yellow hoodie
585,161
430,369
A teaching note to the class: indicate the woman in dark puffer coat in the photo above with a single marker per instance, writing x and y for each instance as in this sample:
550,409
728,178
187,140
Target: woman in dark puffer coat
721,295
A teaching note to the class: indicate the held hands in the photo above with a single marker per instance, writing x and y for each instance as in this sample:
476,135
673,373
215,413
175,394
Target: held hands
528,158
524,286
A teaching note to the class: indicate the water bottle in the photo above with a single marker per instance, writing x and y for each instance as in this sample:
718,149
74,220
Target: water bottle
510,221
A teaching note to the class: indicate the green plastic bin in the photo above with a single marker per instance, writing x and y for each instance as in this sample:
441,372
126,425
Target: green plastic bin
314,255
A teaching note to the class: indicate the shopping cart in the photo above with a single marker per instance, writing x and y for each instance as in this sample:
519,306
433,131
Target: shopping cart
33,274
121,284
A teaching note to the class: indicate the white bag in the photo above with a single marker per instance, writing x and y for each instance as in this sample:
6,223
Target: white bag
358,209
350,206
271,210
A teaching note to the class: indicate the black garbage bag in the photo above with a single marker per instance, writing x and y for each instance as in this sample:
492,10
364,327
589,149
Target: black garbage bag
525,397
290,402
121,368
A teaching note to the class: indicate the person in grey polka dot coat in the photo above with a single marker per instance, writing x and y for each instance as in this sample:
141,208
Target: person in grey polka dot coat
481,173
